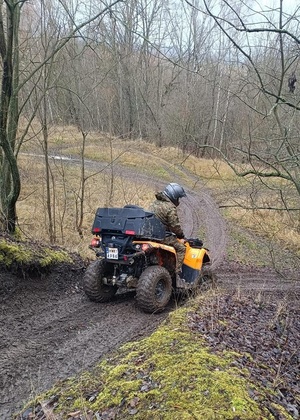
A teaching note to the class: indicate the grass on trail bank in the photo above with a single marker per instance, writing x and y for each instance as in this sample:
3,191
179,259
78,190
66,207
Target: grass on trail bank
170,375
21,255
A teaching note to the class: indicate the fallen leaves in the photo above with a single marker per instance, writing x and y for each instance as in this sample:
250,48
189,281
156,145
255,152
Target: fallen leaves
267,340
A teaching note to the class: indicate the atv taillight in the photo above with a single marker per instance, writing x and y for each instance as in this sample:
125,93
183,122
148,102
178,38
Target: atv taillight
129,232
95,242
145,247
96,230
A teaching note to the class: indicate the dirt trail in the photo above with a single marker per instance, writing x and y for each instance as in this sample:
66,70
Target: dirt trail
49,330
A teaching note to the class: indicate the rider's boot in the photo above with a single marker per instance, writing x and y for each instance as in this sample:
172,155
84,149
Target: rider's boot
180,282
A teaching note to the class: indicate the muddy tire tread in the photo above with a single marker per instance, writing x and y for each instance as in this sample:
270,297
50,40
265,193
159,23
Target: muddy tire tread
93,287
146,288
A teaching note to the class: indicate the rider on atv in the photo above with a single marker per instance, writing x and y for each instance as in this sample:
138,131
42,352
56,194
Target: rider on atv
137,249
165,209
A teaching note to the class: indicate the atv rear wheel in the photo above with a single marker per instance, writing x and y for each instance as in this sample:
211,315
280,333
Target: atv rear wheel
154,289
93,285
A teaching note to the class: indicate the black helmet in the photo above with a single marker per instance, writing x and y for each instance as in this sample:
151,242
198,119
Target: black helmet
174,191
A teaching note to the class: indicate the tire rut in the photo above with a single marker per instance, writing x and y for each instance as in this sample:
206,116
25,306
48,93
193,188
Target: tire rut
262,282
68,335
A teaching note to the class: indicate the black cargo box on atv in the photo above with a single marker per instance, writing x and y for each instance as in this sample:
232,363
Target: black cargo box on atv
132,220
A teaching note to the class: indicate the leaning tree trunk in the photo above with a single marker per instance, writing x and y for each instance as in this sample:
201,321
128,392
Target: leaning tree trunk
9,172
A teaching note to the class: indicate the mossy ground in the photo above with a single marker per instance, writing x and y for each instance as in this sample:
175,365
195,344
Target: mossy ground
29,255
170,375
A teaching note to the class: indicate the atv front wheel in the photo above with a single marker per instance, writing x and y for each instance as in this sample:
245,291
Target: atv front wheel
93,285
207,277
154,289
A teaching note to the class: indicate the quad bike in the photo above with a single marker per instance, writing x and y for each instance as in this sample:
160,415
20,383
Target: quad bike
131,255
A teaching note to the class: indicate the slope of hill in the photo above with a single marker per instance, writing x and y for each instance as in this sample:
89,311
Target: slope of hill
50,332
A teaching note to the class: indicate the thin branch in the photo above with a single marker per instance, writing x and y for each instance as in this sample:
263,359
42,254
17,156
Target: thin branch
258,207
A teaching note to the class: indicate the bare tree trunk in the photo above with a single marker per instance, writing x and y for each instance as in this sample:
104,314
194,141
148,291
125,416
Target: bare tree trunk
9,173
50,206
81,195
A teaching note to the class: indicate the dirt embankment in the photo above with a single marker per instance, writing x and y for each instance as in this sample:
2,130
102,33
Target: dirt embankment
49,330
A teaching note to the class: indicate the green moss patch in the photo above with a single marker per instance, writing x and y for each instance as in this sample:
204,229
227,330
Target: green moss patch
12,252
26,255
171,374
50,257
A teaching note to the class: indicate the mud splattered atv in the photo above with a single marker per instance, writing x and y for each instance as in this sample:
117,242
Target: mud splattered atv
131,255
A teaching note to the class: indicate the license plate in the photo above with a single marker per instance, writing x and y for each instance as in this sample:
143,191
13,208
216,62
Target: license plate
112,253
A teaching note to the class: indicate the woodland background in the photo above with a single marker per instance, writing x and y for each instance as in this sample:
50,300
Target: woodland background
217,80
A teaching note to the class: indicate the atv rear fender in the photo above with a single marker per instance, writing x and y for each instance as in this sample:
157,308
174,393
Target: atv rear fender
165,254
157,245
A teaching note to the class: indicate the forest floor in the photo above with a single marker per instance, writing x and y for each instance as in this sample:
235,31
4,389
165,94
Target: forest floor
50,331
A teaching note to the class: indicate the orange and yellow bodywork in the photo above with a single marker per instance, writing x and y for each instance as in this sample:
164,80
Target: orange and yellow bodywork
156,245
194,257
193,260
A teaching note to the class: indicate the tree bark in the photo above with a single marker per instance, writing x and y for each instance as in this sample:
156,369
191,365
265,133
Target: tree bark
9,171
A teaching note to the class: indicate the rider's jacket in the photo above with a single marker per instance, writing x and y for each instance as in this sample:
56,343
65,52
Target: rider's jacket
166,211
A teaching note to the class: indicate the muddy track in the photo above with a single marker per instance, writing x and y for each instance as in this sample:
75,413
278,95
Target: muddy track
49,335
49,330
